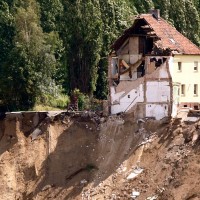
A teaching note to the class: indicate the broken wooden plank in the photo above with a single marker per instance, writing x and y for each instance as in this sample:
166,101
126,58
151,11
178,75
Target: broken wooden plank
132,66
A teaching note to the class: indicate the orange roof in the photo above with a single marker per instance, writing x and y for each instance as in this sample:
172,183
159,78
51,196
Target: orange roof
168,36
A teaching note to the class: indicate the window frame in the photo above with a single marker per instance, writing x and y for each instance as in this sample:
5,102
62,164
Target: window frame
196,66
179,66
182,89
195,91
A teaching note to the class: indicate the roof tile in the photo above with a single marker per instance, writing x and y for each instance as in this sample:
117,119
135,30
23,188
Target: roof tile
170,37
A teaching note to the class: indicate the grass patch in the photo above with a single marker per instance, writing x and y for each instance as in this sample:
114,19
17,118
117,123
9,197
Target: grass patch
44,108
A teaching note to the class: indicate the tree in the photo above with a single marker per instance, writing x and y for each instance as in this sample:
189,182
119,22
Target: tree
82,36
6,37
31,64
51,13
192,22
142,6
115,16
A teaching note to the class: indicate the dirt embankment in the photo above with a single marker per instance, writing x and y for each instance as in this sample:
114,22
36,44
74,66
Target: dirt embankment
44,156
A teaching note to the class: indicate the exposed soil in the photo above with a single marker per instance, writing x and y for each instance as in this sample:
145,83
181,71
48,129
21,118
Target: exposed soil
90,157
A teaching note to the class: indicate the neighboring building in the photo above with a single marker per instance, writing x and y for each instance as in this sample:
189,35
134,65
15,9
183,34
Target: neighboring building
153,70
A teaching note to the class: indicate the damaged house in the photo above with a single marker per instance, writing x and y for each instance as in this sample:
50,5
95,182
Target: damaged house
153,70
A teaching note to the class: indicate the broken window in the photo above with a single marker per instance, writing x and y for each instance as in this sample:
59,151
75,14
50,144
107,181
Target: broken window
195,66
195,89
179,66
183,89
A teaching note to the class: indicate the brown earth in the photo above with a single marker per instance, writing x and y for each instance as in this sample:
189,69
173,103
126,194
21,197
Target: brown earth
90,157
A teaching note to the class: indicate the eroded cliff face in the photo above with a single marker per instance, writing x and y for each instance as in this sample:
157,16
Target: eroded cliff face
38,151
84,156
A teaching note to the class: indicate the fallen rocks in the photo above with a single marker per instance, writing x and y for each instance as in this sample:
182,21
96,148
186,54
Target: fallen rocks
35,134
135,194
135,173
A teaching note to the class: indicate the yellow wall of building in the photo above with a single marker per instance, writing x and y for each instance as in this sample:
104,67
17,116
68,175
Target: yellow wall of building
187,76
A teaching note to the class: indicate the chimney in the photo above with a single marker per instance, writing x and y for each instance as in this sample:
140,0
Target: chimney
155,13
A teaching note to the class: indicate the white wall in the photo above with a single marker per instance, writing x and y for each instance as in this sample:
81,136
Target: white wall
158,91
163,72
136,95
157,111
115,96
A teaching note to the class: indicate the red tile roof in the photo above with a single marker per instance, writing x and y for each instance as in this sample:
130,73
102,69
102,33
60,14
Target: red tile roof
168,35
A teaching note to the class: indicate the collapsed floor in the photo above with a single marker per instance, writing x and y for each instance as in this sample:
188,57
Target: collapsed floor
84,156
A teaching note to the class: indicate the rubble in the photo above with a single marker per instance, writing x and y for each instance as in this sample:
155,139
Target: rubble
120,161
135,173
135,194
35,134
152,198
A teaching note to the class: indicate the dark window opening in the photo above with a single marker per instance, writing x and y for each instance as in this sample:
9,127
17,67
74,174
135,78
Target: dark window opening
148,45
179,66
195,89
183,89
141,45
195,66
158,62
145,45
196,107
185,106
164,60
129,96
141,70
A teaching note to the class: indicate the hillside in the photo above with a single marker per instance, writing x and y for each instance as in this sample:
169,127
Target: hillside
85,156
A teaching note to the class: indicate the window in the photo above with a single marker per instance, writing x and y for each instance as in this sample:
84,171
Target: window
183,89
129,96
195,66
195,89
179,66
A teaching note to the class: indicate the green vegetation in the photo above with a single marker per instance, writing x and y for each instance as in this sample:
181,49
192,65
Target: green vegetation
51,47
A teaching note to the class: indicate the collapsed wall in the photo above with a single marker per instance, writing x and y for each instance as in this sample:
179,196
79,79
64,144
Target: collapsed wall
146,95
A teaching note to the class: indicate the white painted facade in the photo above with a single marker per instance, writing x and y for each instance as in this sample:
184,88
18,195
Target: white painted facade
126,102
157,111
158,91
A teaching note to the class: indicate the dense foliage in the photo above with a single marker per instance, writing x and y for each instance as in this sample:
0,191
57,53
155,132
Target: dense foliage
50,48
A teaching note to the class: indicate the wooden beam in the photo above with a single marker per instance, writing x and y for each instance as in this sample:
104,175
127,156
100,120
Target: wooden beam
132,66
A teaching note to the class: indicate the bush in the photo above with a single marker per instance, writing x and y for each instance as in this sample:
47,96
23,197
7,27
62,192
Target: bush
83,102
83,99
61,101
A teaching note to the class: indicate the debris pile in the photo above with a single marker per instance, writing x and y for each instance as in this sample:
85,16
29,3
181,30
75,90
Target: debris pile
84,156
